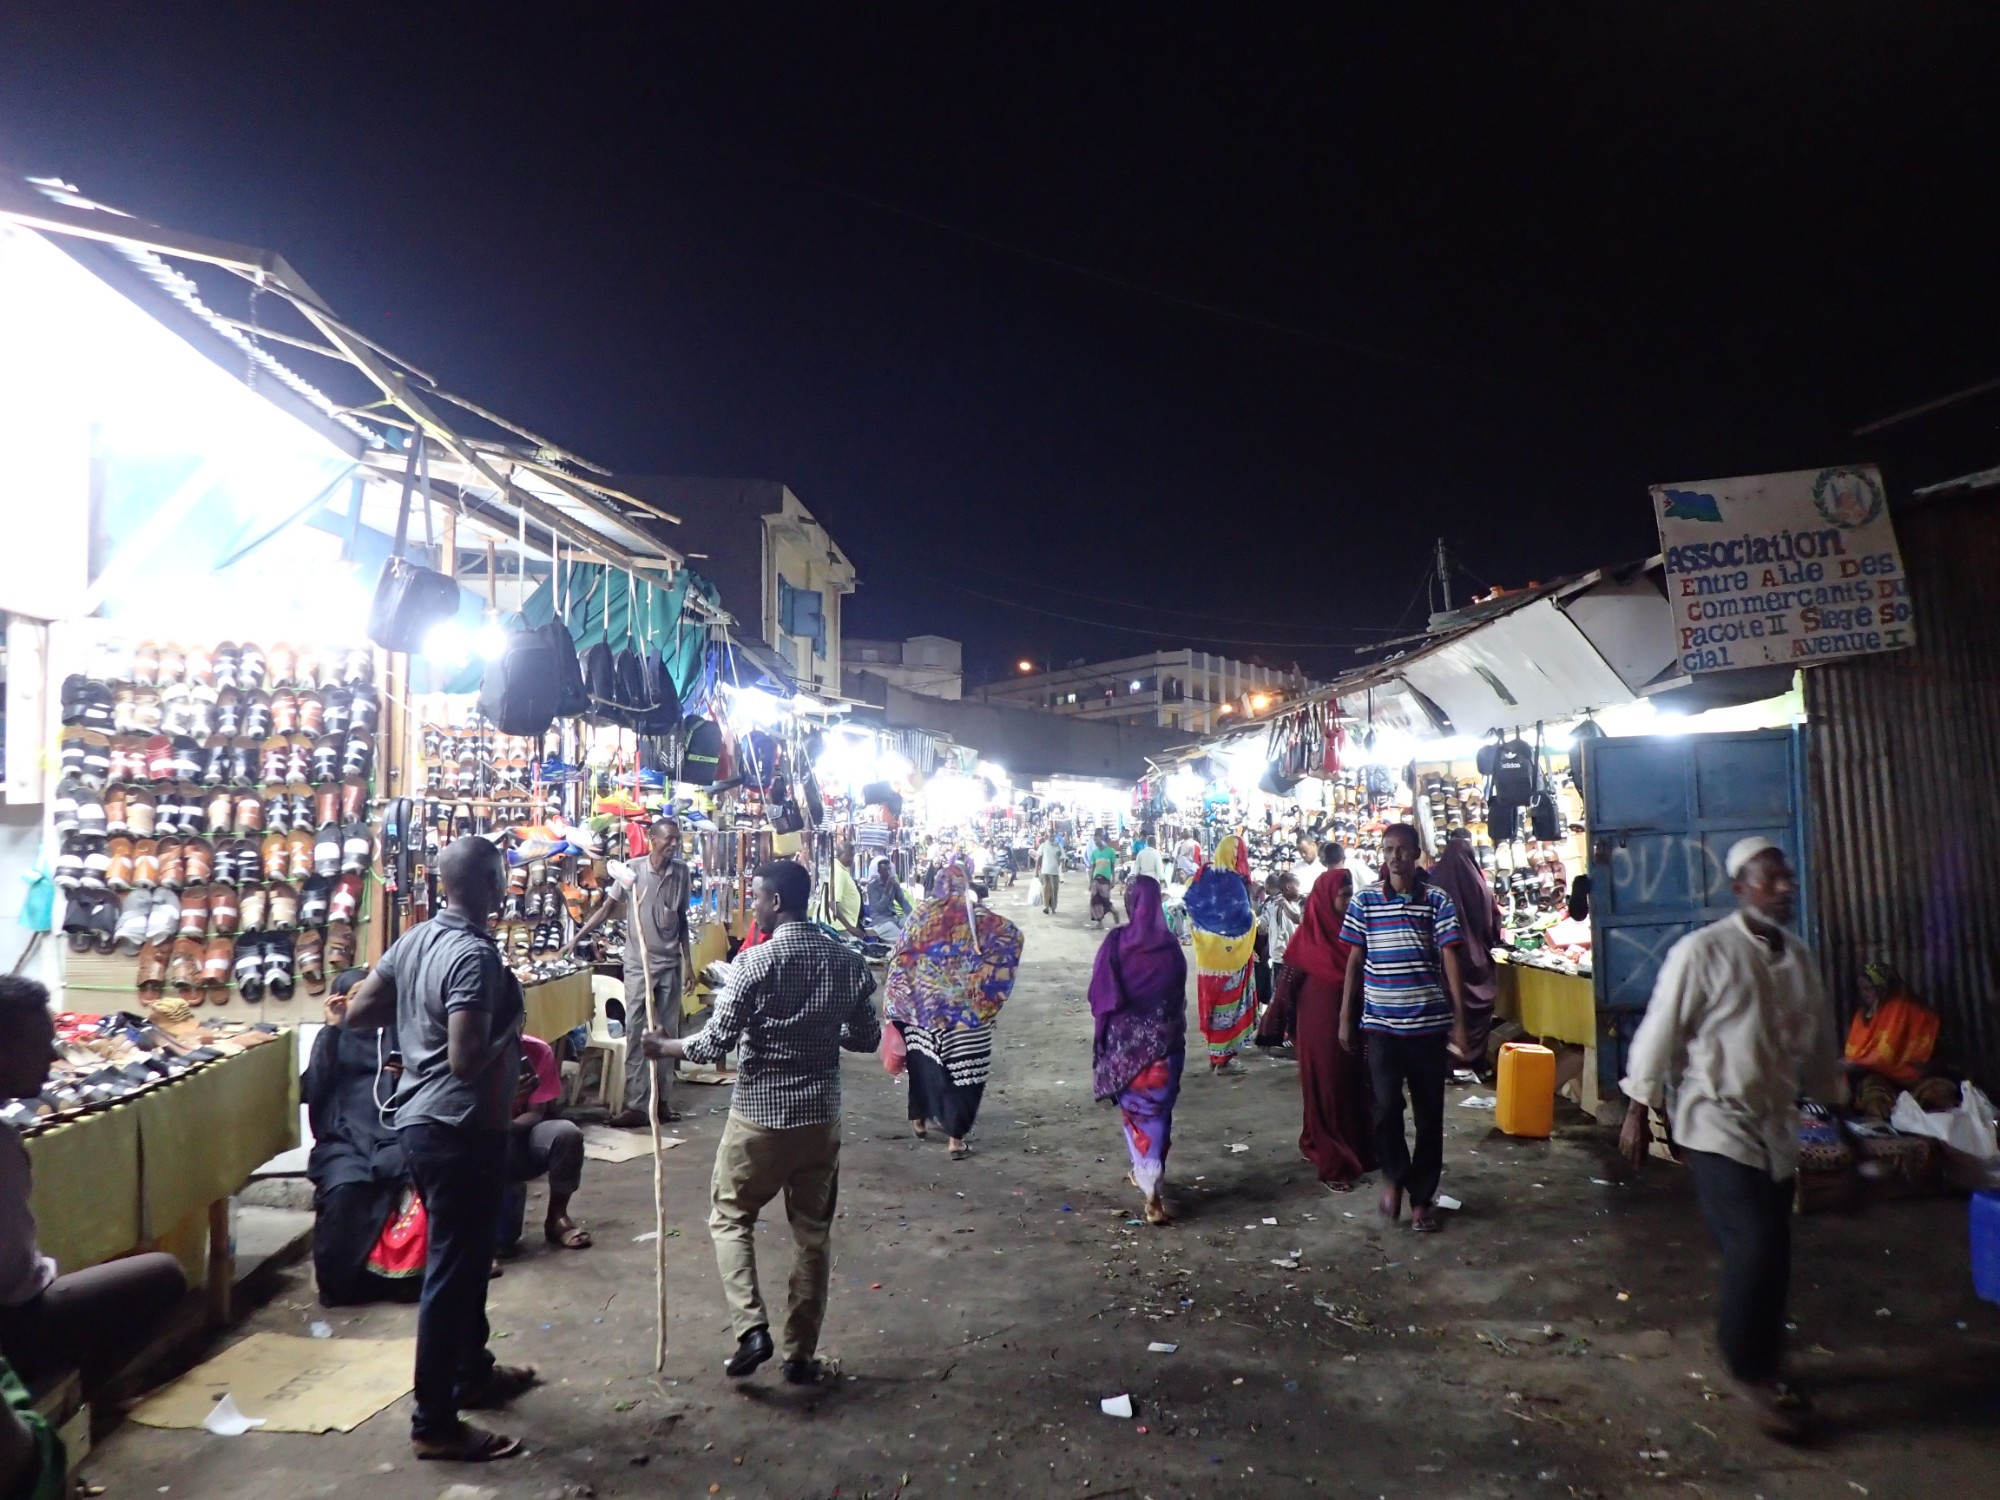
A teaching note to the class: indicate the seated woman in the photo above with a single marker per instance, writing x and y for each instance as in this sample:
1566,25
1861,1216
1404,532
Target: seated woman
538,1142
1889,1048
361,1184
95,1320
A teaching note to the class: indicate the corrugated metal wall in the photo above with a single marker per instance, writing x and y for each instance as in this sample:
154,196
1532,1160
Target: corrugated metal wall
1905,753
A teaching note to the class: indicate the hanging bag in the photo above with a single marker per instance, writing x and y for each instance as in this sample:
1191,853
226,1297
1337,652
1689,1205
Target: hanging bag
410,600
1545,821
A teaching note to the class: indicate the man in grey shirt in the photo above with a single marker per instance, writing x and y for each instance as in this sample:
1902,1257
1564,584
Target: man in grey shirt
655,894
458,1011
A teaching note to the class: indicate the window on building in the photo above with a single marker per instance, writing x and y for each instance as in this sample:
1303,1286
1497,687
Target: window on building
869,653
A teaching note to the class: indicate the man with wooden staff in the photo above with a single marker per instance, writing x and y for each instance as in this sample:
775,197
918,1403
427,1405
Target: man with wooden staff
790,1006
655,892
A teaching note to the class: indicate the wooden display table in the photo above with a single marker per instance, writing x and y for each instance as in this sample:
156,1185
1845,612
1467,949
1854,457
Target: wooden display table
158,1172
558,1005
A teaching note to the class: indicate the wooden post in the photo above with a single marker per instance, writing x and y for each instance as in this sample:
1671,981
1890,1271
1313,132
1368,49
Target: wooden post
221,1263
638,925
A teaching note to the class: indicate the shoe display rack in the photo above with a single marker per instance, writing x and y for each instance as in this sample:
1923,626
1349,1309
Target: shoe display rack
213,817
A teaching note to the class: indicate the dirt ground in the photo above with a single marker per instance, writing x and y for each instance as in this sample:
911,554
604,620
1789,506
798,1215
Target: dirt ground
1553,1340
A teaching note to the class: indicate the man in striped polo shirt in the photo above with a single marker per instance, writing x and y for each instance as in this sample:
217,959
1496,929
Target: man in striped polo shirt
1407,994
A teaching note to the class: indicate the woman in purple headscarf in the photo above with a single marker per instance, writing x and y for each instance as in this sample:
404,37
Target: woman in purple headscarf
1138,995
1456,872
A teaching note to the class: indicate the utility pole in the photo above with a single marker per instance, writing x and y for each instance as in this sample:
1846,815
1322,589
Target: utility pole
1444,578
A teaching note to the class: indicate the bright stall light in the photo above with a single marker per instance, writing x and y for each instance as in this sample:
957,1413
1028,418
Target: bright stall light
1184,788
1260,701
449,644
492,639
754,707
1025,666
1246,761
951,797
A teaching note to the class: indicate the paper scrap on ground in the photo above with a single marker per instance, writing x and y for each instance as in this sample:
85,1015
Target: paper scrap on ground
1473,1101
1445,1200
602,1143
226,1420
1234,1147
1161,1348
298,1385
1270,1221
1116,1406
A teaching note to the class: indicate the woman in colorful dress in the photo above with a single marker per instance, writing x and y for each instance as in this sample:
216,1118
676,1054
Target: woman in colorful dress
952,970
1138,997
1333,1082
1225,940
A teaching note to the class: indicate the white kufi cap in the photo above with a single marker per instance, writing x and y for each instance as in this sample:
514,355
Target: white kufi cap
1743,851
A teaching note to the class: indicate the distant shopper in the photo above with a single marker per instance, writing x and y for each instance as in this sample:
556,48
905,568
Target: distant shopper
1138,999
457,1010
888,906
652,897
791,1005
1736,1025
1307,871
952,970
1103,872
1456,872
1406,995
1338,1134
1225,940
1277,920
1147,860
1048,860
94,1320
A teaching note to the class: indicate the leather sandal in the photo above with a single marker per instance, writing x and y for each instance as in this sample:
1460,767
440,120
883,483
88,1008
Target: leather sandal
311,954
283,911
278,980
223,911
251,665
200,856
272,859
173,863
152,975
281,665
184,968
345,903
218,961
353,800
194,912
298,854
145,863
254,909
339,946
118,864
249,968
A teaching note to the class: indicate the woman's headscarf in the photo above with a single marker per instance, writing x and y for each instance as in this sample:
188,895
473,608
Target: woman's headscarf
1138,991
1218,899
1456,872
954,965
1315,945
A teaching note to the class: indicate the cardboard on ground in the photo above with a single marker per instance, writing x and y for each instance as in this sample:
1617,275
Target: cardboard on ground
602,1143
295,1384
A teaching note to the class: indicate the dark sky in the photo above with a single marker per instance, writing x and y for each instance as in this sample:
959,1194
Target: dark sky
1232,310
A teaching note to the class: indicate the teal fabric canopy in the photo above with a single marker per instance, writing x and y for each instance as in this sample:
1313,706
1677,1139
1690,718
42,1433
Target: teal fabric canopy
606,604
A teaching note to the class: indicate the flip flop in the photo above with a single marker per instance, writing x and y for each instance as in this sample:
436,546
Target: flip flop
503,1384
469,1445
572,1237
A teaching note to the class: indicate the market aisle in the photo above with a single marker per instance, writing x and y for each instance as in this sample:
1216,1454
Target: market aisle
1014,1294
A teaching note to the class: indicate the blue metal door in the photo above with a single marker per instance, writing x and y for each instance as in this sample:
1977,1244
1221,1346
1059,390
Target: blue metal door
1662,812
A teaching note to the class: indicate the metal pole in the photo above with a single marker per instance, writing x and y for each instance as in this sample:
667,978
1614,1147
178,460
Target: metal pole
659,1157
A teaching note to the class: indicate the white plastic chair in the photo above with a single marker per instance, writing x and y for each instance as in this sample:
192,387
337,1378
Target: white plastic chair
611,1082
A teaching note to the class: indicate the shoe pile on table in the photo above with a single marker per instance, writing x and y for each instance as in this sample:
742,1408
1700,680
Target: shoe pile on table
213,812
105,1060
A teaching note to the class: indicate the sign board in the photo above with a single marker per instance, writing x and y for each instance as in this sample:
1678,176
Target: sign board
1782,569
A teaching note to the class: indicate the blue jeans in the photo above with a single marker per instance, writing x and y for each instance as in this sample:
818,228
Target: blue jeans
461,1175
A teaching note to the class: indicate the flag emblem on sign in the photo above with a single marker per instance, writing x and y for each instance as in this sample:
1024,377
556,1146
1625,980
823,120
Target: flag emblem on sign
1691,505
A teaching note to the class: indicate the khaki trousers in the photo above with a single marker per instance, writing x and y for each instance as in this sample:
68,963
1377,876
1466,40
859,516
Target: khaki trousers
752,1166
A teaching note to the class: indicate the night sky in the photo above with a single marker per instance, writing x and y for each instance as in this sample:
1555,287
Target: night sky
1229,310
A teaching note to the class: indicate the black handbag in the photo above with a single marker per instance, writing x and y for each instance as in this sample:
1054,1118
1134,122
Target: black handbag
410,600
571,696
1544,812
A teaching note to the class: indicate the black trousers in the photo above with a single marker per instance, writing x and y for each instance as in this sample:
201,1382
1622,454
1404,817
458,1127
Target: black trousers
1422,1063
1749,1216
94,1321
462,1175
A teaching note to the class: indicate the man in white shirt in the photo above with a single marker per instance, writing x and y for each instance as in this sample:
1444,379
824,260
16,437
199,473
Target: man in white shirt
1736,1023
1049,862
1307,870
1146,860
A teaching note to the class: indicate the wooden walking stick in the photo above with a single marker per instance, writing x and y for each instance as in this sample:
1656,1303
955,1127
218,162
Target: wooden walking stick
659,1156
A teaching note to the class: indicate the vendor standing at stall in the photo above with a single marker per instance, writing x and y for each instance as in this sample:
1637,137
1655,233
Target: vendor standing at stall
657,888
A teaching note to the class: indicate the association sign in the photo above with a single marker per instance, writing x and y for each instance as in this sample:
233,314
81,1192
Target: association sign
1782,569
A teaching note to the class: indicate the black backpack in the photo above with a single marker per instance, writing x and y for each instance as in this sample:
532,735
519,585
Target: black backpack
600,679
519,691
701,761
571,696
1514,778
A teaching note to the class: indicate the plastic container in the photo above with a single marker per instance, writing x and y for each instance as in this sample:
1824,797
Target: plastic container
1527,1090
1986,1245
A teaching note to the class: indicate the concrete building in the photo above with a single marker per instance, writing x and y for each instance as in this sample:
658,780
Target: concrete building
929,664
779,571
1182,690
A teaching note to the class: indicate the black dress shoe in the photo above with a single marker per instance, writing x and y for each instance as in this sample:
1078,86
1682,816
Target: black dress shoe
751,1351
803,1371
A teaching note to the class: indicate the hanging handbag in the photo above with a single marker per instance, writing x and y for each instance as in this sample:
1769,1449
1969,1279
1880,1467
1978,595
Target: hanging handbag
410,600
1545,821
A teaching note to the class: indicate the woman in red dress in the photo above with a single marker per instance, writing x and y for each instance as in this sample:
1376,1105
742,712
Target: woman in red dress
1336,1138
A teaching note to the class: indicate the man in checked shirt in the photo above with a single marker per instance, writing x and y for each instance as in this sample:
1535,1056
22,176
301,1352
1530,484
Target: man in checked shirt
791,1004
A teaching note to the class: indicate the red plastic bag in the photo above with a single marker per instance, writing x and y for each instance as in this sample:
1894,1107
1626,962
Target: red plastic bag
895,1051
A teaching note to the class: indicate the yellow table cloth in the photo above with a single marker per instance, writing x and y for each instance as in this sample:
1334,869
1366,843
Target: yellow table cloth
1548,1003
558,1005
115,1182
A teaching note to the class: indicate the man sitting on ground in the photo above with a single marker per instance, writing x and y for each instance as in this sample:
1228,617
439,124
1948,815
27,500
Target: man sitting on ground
96,1320
538,1142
